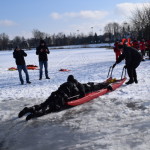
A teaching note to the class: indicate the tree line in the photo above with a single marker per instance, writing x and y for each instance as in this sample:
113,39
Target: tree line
138,27
59,39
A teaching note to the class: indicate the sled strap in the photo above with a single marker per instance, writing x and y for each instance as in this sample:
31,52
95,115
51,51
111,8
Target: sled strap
110,72
124,71
75,96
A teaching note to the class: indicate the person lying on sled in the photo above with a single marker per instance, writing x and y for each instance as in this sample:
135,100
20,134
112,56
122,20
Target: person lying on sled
70,90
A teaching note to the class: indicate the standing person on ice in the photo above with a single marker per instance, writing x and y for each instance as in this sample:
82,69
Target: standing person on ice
116,50
135,44
148,47
70,90
132,61
42,50
142,47
19,55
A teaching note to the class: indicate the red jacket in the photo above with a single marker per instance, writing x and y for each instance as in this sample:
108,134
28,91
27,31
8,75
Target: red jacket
135,44
148,44
116,47
142,45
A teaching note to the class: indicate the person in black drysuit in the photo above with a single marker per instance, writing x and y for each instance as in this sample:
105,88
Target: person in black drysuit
19,55
70,90
132,61
42,50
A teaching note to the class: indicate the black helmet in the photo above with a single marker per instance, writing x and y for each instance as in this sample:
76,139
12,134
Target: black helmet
71,78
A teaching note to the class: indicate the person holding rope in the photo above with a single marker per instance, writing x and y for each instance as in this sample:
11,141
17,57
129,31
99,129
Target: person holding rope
132,60
70,90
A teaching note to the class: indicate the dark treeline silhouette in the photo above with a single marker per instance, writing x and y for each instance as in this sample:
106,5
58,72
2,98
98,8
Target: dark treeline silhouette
137,28
59,39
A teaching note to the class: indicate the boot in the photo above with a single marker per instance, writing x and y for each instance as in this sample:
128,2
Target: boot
109,87
23,112
29,82
30,117
135,80
129,82
135,77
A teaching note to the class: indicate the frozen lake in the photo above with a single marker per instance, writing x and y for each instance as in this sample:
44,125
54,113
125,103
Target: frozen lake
115,121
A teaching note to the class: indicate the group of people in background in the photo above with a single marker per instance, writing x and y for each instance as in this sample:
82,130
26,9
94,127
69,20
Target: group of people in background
42,51
142,46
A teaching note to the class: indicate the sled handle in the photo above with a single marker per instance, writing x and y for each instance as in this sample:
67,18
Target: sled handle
110,71
124,71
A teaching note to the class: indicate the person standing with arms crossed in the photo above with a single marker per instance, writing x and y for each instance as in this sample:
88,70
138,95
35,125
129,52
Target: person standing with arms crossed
42,50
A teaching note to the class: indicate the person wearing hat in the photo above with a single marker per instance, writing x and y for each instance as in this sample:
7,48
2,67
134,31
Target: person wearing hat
19,55
132,60
70,90
42,51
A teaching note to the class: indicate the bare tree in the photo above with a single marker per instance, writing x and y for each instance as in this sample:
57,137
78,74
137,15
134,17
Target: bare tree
116,28
141,22
38,34
17,41
4,40
112,30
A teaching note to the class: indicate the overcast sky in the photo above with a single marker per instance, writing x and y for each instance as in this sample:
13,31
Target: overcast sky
20,17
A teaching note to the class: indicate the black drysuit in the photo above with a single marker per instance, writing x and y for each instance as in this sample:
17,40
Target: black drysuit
132,60
57,100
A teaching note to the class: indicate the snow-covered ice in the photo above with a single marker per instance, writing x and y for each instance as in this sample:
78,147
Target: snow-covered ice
119,120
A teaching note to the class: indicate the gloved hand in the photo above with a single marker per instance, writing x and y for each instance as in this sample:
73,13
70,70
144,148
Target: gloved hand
114,65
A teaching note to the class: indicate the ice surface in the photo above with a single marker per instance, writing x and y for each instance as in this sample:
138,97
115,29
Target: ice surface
116,121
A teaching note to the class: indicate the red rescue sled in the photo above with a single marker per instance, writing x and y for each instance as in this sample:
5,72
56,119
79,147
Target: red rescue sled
96,94
116,84
29,67
64,70
12,69
32,67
